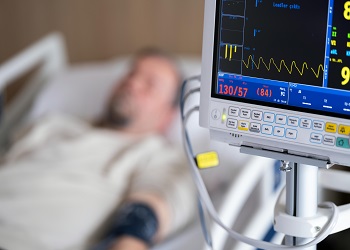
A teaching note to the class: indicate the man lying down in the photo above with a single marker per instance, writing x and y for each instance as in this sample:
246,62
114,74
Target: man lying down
70,185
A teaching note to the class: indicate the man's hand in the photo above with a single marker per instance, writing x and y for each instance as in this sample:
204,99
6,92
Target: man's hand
128,243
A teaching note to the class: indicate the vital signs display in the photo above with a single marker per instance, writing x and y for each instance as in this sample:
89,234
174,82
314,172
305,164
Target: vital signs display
294,53
276,74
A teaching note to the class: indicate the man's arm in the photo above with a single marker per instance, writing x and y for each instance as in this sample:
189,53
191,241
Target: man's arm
163,214
165,185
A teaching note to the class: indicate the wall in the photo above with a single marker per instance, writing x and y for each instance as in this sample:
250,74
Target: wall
101,29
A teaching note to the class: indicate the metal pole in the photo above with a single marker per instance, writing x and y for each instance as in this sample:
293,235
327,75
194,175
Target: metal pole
301,188
290,199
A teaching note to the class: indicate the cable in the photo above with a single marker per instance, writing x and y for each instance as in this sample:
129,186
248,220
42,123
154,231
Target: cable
206,232
183,99
205,198
183,96
192,91
182,105
190,112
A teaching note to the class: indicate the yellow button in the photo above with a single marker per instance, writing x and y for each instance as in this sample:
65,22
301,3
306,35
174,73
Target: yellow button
343,129
331,127
243,125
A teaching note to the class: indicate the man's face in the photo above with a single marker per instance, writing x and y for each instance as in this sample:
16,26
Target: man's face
143,101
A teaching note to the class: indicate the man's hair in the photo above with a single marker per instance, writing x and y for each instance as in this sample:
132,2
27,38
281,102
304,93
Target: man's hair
156,52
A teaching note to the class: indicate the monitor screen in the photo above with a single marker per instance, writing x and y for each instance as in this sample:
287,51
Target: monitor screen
288,54
276,75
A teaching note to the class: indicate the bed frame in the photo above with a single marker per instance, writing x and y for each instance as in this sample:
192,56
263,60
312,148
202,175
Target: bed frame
49,57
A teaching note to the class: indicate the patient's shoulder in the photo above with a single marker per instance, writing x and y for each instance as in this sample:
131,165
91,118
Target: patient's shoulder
61,120
57,123
46,129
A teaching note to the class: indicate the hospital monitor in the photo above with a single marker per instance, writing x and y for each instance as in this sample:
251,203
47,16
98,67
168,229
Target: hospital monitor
276,76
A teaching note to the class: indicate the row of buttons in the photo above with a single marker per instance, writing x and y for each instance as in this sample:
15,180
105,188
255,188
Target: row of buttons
329,140
288,133
263,128
290,120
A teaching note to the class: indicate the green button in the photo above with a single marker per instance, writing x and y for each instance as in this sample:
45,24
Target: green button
343,142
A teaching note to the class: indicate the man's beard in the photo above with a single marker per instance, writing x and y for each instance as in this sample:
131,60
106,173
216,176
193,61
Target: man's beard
118,114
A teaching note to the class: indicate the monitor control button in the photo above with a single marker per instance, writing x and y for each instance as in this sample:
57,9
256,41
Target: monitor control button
245,113
281,119
291,133
233,111
318,125
344,129
215,114
257,115
278,131
231,123
331,127
293,121
266,129
329,140
269,117
316,138
305,123
342,142
243,125
255,127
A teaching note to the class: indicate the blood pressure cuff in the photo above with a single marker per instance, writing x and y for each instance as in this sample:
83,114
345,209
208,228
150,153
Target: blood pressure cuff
133,219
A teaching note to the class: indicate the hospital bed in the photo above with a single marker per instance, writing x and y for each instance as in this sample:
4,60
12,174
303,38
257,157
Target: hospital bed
244,188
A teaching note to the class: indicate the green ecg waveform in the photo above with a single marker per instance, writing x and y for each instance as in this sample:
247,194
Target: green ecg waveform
282,65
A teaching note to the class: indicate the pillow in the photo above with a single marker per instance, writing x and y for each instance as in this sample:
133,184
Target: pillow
82,90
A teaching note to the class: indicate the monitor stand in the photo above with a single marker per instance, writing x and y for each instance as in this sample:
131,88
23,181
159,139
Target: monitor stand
301,196
301,188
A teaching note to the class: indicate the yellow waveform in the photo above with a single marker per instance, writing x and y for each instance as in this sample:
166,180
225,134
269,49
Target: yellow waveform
229,50
281,65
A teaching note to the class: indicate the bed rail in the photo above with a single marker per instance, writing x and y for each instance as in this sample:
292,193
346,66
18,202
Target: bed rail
49,55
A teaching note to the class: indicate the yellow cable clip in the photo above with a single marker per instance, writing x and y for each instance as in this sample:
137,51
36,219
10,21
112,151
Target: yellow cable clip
207,160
